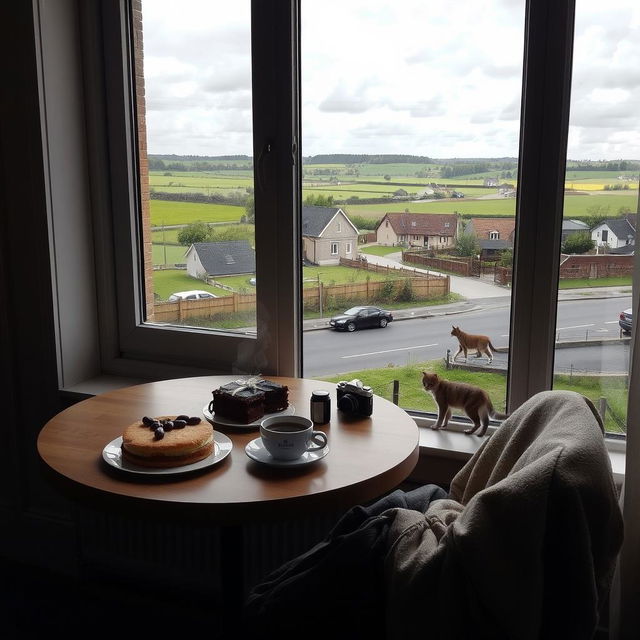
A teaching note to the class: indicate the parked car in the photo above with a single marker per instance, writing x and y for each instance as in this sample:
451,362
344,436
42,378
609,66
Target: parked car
361,318
625,320
196,294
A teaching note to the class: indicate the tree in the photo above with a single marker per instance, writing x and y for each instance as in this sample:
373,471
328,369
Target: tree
195,232
250,211
579,242
467,245
387,177
597,214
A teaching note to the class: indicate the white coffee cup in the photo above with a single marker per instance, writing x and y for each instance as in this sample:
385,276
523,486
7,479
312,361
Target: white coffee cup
289,437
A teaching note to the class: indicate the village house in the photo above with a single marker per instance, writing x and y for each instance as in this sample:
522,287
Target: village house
615,233
494,234
327,235
432,230
211,259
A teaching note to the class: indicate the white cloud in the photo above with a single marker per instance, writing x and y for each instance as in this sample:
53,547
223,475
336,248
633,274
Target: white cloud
408,76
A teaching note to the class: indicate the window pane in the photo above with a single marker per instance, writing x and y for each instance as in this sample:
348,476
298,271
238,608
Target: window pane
600,210
410,146
196,166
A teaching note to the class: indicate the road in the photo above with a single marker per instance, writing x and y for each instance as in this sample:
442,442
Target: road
328,352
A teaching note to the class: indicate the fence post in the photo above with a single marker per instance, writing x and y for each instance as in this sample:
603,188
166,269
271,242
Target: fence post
602,408
396,391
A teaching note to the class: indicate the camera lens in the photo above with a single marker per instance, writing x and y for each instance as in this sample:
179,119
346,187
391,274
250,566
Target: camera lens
348,403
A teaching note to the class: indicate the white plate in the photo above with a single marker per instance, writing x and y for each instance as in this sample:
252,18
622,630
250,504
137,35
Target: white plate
214,419
256,451
112,455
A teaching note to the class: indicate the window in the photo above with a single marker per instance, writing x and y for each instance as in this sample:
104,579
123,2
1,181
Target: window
347,248
605,236
494,235
527,331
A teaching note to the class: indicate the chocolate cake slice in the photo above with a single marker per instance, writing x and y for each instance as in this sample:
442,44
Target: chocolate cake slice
276,396
239,403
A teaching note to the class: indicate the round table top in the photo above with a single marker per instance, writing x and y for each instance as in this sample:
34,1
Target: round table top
367,456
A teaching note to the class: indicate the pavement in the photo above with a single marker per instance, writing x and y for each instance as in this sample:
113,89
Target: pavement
479,293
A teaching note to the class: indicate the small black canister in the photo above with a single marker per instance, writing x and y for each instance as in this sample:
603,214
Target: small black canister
320,407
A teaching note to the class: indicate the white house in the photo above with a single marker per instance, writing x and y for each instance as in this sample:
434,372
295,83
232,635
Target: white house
615,232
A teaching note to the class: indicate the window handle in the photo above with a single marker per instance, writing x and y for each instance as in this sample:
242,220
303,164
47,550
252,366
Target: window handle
266,149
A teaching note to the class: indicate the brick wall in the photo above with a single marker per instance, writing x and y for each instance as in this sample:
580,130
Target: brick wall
596,266
143,162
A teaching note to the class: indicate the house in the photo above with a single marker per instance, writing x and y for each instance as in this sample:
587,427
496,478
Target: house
212,259
490,182
327,235
432,230
570,227
615,233
494,234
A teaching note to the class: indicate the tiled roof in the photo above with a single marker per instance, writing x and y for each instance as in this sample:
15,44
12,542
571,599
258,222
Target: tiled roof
316,219
422,224
622,227
226,258
482,227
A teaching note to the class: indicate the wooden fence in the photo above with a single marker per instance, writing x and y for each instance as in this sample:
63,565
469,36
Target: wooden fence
423,287
461,266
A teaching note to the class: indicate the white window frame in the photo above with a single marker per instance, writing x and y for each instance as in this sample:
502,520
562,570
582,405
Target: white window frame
335,248
348,248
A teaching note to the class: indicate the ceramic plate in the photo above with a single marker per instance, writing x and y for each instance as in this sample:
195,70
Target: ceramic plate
112,455
221,420
256,451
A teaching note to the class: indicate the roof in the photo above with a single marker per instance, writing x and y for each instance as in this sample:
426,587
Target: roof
422,224
482,227
226,258
571,225
502,243
622,227
624,250
316,219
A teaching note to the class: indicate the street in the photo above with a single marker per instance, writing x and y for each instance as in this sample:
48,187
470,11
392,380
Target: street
327,352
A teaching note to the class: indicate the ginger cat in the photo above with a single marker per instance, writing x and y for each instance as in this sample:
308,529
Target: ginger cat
473,400
469,341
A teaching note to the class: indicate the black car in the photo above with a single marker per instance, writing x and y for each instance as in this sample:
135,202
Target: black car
625,320
361,318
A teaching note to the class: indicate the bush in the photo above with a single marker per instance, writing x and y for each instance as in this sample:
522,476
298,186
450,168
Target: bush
579,242
405,293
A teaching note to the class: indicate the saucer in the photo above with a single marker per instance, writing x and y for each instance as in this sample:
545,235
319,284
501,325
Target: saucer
256,451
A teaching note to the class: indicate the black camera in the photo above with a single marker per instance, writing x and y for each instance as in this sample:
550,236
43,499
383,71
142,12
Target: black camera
354,398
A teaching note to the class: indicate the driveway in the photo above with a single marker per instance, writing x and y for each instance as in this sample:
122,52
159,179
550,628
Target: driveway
472,288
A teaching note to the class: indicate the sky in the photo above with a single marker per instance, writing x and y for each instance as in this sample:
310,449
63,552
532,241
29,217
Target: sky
419,77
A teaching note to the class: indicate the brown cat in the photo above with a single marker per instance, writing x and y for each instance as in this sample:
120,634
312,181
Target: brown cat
474,400
469,341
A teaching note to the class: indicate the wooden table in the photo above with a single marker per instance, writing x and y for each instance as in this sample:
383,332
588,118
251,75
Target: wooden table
367,457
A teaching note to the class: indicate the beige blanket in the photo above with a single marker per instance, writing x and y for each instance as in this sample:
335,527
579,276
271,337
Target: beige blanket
525,545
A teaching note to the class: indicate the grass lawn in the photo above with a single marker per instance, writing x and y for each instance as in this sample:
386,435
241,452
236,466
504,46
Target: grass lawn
377,250
169,281
412,396
582,283
168,212
168,254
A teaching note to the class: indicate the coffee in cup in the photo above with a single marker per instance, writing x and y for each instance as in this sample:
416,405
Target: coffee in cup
289,437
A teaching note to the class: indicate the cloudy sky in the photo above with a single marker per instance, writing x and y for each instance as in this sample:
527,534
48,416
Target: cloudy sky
418,77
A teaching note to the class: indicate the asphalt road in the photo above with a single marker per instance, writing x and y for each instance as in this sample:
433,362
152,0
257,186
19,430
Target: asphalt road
327,352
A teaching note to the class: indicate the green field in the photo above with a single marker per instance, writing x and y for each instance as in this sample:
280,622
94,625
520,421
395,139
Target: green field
168,212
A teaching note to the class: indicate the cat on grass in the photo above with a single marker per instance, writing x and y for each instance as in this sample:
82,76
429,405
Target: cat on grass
459,395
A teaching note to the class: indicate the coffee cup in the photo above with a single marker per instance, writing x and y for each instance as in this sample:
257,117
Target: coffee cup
289,437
